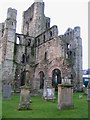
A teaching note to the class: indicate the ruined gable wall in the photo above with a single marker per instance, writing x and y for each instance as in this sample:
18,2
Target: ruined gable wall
52,47
34,20
74,52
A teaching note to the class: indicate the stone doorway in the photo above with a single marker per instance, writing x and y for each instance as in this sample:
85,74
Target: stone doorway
41,73
56,78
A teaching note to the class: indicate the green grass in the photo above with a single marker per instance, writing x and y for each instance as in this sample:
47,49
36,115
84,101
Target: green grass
42,109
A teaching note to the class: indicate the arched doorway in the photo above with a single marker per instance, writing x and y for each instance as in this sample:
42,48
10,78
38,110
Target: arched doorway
41,73
56,78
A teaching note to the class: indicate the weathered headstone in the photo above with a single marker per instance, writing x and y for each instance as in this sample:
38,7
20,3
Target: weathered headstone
88,97
7,92
65,96
80,96
24,98
49,95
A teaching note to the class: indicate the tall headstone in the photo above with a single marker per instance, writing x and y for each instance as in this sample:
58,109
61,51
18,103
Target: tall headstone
88,96
24,98
7,92
65,96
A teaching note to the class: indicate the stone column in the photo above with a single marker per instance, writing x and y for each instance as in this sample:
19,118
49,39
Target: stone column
65,96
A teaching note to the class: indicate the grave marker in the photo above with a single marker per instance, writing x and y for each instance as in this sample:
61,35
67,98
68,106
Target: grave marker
7,92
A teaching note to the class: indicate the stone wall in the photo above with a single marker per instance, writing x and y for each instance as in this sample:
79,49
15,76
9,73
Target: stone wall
49,56
8,39
34,20
74,52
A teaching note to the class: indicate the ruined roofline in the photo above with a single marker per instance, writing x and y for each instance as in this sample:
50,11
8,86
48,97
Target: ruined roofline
70,30
28,8
31,7
47,30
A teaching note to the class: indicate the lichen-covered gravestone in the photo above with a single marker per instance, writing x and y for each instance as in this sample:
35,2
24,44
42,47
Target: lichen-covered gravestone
7,92
65,95
24,98
88,96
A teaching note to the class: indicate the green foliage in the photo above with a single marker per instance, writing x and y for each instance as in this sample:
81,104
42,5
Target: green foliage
42,109
33,63
63,40
67,59
26,87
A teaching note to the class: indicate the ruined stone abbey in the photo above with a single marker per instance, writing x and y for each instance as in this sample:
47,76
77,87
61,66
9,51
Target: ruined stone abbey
39,55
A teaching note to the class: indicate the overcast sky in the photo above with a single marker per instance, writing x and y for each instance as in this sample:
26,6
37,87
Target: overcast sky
63,13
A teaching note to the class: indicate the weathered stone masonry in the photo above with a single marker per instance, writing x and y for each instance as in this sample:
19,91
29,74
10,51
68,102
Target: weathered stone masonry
39,53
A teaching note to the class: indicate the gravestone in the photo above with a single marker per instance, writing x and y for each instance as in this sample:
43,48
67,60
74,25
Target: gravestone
88,96
49,92
80,96
65,95
49,95
24,98
7,92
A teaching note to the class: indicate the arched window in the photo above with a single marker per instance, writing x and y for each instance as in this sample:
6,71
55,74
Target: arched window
45,57
41,74
50,34
23,58
18,40
44,38
38,41
29,42
56,78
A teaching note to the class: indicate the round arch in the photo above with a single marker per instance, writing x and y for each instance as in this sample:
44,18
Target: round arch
37,73
56,78
51,69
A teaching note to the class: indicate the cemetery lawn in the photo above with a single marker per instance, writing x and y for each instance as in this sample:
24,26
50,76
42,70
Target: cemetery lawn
42,109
